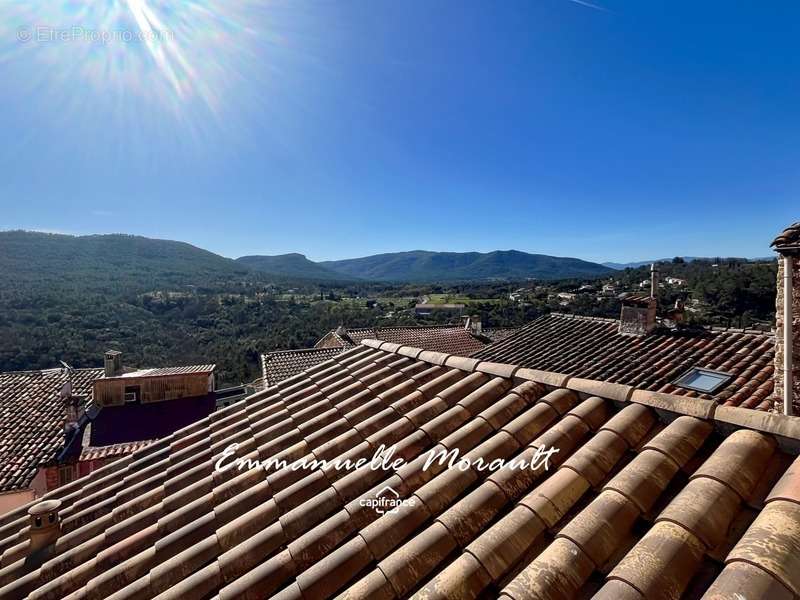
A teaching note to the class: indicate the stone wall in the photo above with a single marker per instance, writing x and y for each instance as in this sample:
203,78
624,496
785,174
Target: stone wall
779,354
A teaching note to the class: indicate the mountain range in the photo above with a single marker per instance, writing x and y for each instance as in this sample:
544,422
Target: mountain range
421,265
80,260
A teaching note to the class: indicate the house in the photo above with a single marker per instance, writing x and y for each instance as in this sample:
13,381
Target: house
648,495
33,427
149,403
60,424
676,281
653,359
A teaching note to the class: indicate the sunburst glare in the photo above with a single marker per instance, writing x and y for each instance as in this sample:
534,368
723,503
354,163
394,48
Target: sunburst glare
182,57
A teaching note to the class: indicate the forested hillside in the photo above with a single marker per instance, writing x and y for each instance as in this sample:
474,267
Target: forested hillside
291,265
421,265
168,303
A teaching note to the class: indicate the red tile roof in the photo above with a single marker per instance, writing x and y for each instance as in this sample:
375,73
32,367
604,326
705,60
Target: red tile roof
168,371
650,495
593,348
113,450
495,334
32,420
280,365
452,339
789,237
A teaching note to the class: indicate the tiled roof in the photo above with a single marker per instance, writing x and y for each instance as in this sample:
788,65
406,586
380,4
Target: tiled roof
277,366
452,339
166,371
113,450
788,237
495,334
593,348
650,495
32,420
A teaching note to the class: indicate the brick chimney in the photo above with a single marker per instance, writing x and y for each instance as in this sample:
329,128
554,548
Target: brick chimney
787,317
113,363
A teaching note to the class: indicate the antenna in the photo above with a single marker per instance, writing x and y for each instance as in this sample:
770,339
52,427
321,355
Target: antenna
66,389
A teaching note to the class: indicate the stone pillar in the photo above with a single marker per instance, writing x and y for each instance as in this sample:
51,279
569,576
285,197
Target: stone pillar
779,347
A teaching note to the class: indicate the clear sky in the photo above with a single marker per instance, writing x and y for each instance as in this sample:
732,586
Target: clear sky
612,130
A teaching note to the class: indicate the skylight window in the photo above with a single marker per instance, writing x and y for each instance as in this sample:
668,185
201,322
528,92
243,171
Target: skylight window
705,381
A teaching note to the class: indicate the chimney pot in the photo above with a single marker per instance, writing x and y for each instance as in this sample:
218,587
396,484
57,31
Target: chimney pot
45,524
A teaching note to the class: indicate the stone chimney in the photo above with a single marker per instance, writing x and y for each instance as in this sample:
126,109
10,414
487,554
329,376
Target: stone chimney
787,317
45,524
638,316
113,363
474,325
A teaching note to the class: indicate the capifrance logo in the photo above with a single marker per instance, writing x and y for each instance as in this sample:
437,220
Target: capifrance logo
387,500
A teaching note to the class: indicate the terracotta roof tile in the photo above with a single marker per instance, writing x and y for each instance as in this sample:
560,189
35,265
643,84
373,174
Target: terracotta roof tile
592,348
788,237
452,339
32,416
281,365
641,501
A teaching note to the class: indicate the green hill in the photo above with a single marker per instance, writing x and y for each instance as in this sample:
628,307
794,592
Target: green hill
421,265
95,260
291,265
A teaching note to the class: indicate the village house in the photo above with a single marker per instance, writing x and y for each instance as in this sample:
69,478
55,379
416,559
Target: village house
61,424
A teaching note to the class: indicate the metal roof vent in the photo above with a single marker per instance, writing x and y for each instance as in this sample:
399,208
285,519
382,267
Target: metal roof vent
45,524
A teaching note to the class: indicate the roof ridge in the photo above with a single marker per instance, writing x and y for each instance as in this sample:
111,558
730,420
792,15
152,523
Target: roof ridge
271,352
582,317
50,369
710,328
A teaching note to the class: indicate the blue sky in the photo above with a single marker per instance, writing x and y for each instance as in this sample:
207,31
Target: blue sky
620,130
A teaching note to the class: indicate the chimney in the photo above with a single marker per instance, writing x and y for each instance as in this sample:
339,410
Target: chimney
787,318
653,281
473,325
678,313
71,410
45,524
113,363
638,315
